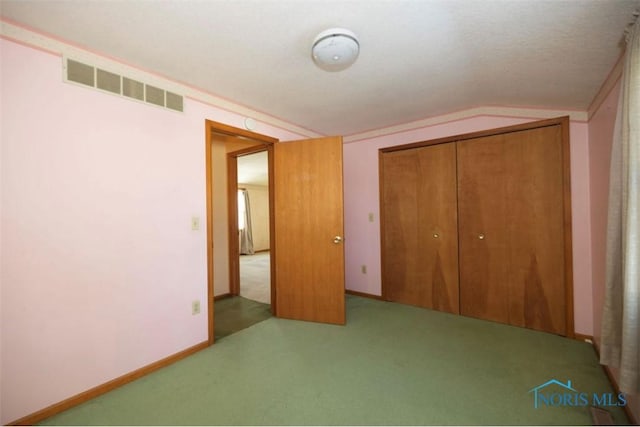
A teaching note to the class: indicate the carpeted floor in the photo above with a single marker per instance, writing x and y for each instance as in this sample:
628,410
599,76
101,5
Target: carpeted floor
237,313
255,277
390,365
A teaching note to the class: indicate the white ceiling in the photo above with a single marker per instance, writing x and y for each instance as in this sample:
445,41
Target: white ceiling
253,169
418,58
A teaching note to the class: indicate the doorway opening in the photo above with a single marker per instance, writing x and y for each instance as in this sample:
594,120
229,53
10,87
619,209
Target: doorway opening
305,186
249,210
224,144
254,247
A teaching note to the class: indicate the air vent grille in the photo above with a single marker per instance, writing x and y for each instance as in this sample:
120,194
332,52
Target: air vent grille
80,73
133,89
174,101
154,95
87,75
108,81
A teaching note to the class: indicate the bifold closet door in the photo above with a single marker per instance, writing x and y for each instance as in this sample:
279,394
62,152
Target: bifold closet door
419,237
511,225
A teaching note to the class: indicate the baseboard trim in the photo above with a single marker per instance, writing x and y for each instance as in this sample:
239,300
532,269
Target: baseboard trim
222,296
612,379
83,397
363,294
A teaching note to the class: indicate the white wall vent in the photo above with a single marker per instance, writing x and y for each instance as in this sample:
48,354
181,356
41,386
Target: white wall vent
154,95
108,81
87,75
133,89
80,73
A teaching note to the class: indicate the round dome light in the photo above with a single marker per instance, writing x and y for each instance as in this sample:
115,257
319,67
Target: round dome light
335,49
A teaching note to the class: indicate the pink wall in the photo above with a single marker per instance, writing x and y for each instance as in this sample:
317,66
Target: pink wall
362,243
99,262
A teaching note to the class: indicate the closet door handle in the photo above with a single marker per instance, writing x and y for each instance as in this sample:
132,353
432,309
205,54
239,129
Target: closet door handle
481,236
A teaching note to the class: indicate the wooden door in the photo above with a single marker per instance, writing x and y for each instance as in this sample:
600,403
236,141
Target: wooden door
419,233
308,223
511,226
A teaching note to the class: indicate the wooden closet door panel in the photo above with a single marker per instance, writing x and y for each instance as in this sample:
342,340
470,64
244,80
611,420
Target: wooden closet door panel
482,210
420,242
510,194
535,229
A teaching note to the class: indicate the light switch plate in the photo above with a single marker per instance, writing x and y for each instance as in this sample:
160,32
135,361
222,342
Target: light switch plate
195,223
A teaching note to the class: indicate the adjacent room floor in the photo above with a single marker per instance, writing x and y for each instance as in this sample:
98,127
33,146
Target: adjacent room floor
254,303
237,313
391,364
255,277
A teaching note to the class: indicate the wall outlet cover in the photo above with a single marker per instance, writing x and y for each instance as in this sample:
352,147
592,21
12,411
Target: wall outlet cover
195,307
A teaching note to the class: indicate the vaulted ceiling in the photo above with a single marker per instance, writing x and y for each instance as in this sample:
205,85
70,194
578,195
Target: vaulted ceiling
419,58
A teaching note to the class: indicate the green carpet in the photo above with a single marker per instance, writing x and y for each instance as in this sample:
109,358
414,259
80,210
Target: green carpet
237,313
391,365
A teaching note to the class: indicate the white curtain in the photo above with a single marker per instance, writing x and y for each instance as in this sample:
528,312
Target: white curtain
244,223
621,321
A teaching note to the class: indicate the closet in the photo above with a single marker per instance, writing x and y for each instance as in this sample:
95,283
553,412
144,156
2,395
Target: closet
480,225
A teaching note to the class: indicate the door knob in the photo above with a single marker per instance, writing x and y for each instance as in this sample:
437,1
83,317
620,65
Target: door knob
337,239
481,236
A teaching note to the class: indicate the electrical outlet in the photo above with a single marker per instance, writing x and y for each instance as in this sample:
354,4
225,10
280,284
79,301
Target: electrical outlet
370,216
195,307
195,223
363,269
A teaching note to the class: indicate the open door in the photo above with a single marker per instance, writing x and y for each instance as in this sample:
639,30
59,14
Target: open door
309,225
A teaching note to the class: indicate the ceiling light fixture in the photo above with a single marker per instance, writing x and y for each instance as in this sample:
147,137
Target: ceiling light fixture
335,49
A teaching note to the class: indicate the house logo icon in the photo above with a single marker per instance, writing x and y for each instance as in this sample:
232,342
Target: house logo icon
555,393
538,394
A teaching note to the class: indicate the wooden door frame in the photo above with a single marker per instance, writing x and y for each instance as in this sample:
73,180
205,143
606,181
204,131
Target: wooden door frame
232,206
212,127
564,123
